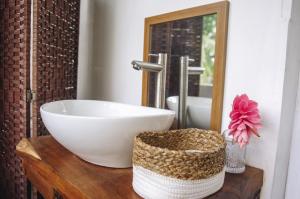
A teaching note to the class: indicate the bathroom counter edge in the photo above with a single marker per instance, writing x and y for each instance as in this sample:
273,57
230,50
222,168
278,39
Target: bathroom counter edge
56,172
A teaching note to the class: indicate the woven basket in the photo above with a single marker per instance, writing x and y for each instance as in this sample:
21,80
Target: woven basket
185,163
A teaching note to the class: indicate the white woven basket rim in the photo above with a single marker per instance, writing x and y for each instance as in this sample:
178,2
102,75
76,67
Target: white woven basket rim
149,184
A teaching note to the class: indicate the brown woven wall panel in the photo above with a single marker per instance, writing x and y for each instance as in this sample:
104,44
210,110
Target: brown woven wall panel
14,111
55,54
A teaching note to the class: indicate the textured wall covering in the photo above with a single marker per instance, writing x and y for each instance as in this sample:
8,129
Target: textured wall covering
54,69
55,53
14,80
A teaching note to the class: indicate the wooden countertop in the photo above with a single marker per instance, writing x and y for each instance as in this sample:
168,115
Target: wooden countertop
55,171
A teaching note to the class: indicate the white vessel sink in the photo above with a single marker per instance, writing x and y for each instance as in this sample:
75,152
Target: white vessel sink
198,110
102,132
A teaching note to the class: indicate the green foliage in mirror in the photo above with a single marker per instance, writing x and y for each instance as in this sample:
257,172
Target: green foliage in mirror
208,48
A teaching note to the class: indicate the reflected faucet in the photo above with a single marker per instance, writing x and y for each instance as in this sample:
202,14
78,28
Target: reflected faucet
185,71
160,69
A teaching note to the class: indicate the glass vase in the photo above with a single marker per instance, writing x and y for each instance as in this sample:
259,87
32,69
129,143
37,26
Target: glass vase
235,155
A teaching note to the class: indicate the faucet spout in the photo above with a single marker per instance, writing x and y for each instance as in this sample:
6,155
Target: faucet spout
139,65
161,70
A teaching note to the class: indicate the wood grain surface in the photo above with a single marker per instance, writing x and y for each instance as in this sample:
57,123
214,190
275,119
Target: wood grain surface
59,172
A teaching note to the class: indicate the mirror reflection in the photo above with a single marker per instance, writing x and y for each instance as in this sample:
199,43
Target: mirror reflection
189,46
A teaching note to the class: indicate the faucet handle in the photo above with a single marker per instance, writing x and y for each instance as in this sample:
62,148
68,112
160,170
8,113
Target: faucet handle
153,55
190,59
161,58
156,54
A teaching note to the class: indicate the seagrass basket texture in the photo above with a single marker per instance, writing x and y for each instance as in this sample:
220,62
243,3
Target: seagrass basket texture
188,154
185,163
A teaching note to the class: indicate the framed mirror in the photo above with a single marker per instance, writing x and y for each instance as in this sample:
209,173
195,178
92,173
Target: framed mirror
198,34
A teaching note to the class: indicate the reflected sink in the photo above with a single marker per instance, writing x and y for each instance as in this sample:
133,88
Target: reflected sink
198,110
102,132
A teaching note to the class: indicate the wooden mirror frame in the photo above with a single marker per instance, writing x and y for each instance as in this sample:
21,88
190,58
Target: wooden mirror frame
222,10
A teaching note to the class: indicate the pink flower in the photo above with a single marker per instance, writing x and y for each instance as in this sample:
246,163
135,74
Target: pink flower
245,119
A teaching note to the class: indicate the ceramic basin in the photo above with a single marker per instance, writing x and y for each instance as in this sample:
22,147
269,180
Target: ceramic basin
102,132
198,110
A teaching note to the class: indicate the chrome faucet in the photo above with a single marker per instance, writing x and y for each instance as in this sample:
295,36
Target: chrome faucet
185,71
159,68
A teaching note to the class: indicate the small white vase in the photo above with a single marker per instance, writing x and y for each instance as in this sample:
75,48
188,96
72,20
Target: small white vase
235,155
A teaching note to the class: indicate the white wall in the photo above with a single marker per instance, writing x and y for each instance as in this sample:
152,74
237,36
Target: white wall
293,181
291,79
256,60
85,52
292,187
